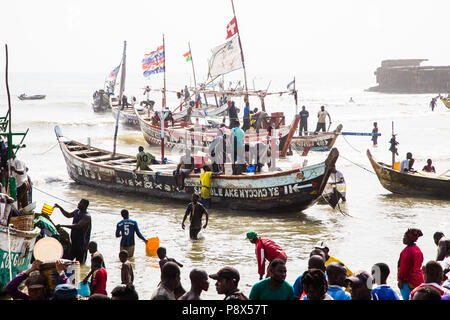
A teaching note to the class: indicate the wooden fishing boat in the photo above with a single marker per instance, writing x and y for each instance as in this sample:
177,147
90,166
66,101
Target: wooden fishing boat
20,243
445,101
101,101
295,189
322,141
199,136
23,96
413,184
128,116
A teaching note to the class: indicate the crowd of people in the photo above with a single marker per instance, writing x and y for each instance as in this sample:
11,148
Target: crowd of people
326,277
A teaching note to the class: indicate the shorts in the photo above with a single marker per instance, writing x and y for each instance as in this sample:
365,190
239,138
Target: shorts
206,202
130,250
193,232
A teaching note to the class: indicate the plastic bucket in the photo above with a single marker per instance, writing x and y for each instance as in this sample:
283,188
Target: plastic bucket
151,246
83,289
397,166
251,168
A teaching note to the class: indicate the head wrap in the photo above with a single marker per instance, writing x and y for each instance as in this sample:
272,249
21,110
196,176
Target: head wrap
414,233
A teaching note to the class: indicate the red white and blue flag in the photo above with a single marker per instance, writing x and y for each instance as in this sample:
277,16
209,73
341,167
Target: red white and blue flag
154,62
113,74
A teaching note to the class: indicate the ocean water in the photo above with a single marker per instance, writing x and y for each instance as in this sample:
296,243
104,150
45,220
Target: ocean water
371,233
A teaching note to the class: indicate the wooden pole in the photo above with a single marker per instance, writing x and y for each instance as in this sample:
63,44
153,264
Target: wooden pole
122,87
193,71
163,113
242,52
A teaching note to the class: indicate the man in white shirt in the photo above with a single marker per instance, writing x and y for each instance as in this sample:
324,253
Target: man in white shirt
321,122
407,164
19,171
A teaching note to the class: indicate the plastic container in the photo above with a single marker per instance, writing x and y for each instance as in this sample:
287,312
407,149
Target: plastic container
83,289
251,168
397,166
151,246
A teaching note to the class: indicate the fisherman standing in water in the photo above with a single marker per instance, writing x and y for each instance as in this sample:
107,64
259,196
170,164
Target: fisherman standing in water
375,130
195,210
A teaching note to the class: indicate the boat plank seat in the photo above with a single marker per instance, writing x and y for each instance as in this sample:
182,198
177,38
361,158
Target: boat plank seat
105,157
76,148
89,153
163,167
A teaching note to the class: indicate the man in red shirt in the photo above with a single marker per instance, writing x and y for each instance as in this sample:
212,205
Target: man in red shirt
99,277
433,279
265,248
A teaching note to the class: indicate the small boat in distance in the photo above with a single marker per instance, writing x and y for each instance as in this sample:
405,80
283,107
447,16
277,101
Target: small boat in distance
23,96
420,184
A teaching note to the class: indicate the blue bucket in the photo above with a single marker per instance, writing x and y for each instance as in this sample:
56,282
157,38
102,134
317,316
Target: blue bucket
251,168
83,289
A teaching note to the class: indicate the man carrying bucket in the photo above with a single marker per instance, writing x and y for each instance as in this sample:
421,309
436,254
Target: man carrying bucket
126,229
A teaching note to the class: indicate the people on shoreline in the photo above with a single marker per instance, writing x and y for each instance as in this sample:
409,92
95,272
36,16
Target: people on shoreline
274,287
199,283
265,249
443,245
375,131
99,277
80,230
227,281
322,245
162,255
315,285
314,262
380,273
410,274
170,279
361,283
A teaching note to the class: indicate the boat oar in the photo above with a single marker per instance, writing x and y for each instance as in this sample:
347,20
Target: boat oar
360,134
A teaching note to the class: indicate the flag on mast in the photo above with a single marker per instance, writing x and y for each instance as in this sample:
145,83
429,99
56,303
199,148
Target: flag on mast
225,58
154,62
232,28
188,56
291,84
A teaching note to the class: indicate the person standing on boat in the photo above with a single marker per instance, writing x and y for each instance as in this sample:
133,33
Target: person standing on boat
375,130
321,122
246,118
23,185
81,230
143,159
233,115
304,114
195,210
429,167
265,249
147,92
126,229
238,147
410,274
407,164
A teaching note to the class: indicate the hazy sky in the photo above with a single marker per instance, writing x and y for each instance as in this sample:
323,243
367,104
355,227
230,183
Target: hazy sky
278,36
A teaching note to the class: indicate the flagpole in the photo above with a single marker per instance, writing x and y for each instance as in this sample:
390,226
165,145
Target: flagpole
242,52
192,62
163,113
295,97
122,88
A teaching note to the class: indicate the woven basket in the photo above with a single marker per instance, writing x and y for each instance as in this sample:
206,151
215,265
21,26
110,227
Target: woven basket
24,223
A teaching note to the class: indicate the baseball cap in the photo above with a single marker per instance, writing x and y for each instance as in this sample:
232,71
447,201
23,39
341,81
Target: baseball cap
322,245
65,292
226,273
361,277
251,235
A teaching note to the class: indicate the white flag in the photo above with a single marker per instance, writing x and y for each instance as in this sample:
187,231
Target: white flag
225,58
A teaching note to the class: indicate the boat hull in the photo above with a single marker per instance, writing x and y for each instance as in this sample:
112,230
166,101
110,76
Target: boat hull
22,244
295,189
127,117
101,103
35,97
410,184
316,142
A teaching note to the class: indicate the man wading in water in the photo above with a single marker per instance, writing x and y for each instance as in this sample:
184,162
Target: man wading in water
195,210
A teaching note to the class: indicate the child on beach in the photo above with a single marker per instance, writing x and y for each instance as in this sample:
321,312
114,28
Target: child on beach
126,272
99,277
380,273
161,252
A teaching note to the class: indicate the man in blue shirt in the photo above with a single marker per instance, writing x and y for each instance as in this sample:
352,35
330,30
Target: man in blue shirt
246,119
303,121
126,228
380,272
238,147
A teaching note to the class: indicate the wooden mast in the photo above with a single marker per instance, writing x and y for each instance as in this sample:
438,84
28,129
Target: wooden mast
242,52
122,88
163,111
193,71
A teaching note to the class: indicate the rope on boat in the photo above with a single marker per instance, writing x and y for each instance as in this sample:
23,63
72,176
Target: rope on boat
74,204
350,144
40,154
358,165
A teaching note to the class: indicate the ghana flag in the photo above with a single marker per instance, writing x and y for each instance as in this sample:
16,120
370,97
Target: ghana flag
188,56
47,209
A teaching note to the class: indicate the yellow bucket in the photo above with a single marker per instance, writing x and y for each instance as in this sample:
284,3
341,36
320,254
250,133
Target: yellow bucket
151,246
397,166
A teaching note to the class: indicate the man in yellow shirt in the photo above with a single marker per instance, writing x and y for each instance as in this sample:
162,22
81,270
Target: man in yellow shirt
329,259
205,180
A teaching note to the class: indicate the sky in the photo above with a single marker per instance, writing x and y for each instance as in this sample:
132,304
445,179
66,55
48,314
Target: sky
278,36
